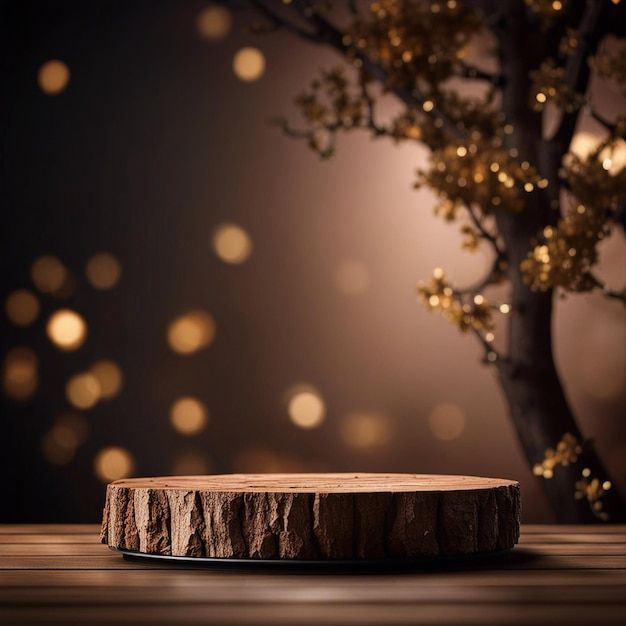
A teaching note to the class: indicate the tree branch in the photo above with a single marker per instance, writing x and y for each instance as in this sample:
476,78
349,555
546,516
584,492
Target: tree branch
324,32
616,130
577,67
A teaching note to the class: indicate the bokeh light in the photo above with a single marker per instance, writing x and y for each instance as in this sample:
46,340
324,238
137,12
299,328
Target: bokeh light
249,64
113,463
49,274
447,421
20,373
53,77
83,390
56,448
305,407
191,332
214,22
66,329
231,243
188,415
613,158
191,463
364,430
22,307
259,459
109,377
59,444
103,270
352,277
75,422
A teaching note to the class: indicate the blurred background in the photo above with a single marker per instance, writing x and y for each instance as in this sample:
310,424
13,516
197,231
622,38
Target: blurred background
186,290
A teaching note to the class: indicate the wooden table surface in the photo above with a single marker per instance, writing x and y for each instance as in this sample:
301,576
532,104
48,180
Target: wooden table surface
60,574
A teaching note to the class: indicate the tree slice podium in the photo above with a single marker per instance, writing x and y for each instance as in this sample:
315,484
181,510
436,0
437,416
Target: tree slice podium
312,516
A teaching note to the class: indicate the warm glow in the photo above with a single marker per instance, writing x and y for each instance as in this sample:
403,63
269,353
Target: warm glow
109,377
249,64
49,274
447,421
188,415
66,329
613,158
113,463
256,459
366,430
191,463
213,22
59,444
306,408
57,448
53,77
22,307
103,270
191,332
83,390
19,373
352,278
231,243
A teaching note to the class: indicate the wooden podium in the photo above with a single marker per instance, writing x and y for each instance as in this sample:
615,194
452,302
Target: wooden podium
312,517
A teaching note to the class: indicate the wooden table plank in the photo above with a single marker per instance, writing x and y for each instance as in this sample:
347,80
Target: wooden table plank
57,529
97,549
363,614
522,561
61,574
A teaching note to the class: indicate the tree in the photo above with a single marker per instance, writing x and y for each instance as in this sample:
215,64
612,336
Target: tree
501,164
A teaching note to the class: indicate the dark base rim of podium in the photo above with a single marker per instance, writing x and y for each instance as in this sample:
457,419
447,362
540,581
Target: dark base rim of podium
434,562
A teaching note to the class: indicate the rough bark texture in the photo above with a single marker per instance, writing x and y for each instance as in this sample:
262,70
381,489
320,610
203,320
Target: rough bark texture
312,516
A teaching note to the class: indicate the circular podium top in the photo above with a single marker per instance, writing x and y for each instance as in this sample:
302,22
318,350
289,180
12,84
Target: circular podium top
316,483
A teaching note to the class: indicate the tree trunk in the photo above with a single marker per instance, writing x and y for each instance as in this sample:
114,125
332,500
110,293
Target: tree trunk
540,411
529,378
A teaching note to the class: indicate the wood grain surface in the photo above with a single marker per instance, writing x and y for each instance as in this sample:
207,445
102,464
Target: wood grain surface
312,516
557,575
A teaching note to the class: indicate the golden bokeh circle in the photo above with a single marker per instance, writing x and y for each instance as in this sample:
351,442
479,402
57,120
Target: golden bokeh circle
188,415
109,376
305,407
49,274
103,270
66,329
22,307
113,463
447,421
364,430
83,390
214,22
53,77
20,373
249,64
191,463
191,332
231,243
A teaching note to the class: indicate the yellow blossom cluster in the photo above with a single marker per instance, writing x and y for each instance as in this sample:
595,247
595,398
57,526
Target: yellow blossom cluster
478,175
438,294
328,105
565,254
415,40
593,489
548,85
566,452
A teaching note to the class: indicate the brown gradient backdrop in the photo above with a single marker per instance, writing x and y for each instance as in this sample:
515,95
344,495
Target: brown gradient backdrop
153,144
